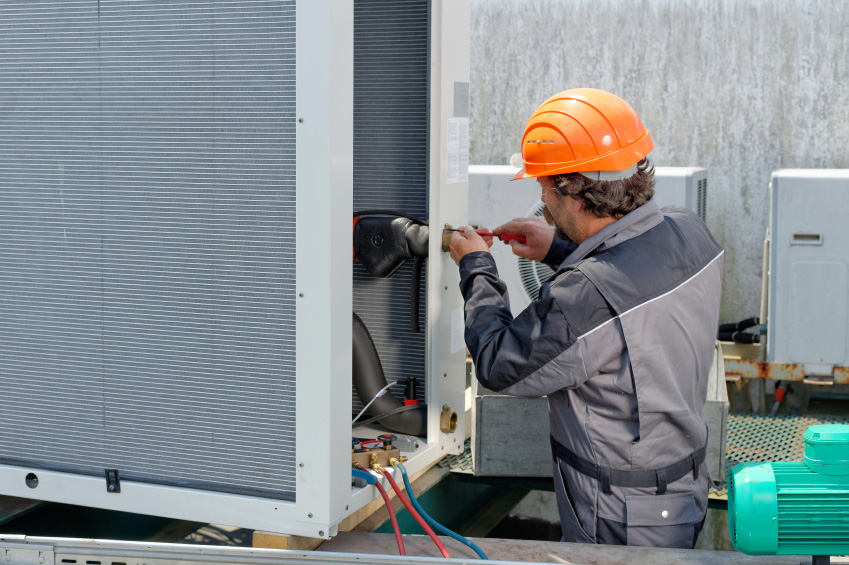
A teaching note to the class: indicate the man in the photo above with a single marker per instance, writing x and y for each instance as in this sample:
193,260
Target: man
621,339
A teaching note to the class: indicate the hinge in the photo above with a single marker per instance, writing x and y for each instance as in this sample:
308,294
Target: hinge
113,482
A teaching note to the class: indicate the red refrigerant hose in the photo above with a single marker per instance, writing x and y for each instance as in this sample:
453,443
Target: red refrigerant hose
395,526
415,514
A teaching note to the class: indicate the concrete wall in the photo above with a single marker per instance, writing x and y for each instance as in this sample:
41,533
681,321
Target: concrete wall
742,87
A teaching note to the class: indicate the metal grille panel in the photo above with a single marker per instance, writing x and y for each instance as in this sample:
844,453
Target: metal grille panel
390,165
147,251
755,438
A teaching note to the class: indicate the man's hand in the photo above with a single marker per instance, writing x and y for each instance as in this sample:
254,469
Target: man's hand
467,241
538,235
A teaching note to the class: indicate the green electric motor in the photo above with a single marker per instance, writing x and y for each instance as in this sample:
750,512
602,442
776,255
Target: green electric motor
794,508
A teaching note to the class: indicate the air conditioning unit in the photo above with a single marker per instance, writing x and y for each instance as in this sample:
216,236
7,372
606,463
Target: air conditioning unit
494,199
176,282
809,270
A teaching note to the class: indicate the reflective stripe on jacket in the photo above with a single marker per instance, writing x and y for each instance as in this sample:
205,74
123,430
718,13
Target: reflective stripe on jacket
621,341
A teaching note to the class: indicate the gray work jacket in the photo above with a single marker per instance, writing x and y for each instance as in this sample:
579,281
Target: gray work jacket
621,341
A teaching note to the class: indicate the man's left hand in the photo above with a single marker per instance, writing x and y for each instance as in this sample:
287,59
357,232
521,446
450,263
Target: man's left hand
467,241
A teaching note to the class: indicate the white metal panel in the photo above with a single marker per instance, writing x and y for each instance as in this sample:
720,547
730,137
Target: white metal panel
809,269
325,188
448,205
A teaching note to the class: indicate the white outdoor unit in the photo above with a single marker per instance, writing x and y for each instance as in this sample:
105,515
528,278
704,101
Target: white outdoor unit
494,199
177,182
809,269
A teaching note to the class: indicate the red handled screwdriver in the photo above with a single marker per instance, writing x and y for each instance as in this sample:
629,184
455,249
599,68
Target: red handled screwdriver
503,237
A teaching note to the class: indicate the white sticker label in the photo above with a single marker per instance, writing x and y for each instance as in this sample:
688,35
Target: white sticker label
457,164
458,327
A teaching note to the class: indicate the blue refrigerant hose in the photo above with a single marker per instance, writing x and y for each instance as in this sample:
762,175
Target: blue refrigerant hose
433,523
367,477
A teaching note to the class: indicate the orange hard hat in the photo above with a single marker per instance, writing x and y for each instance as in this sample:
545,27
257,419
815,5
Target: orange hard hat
583,129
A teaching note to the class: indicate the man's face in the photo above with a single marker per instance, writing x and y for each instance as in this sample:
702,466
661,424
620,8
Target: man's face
557,211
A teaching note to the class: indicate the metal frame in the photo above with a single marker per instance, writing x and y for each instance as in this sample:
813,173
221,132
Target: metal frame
324,165
17,550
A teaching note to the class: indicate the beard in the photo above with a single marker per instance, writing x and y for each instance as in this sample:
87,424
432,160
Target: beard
558,231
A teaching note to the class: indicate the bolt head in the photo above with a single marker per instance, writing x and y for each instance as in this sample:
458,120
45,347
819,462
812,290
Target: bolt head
321,533
309,515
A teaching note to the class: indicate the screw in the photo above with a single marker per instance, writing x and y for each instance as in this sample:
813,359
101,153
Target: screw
300,120
309,515
444,374
301,464
346,507
321,533
446,288
301,294
111,487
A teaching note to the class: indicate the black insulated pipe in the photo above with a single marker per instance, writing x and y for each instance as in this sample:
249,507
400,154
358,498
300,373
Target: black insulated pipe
739,326
369,379
739,337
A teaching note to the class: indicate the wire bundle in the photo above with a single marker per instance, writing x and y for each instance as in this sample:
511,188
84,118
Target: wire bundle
372,480
433,522
427,523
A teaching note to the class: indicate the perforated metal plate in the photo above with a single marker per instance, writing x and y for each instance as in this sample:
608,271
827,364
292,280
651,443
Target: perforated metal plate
754,438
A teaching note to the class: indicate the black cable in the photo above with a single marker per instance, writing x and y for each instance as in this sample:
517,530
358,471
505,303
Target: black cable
390,213
414,294
374,419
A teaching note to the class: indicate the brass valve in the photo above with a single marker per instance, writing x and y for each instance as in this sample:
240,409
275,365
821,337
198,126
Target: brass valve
446,235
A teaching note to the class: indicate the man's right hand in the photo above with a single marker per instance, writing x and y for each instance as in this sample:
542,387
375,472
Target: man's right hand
538,235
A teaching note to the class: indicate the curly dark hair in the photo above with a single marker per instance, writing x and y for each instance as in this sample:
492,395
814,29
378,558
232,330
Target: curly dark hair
609,198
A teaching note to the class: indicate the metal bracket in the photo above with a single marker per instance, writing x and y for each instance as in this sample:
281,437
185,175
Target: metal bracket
113,482
15,554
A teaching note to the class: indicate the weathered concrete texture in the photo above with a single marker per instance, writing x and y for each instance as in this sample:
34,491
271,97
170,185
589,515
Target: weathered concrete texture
742,87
